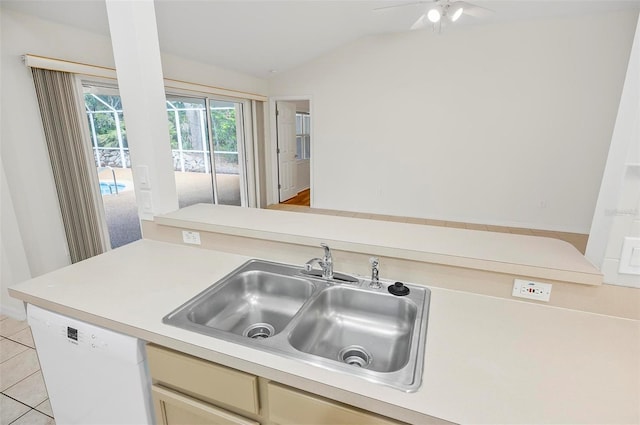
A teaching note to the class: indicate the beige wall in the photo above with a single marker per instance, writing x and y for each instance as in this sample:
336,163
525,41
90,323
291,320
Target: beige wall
503,124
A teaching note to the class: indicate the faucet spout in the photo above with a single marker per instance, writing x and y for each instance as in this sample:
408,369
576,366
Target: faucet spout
327,267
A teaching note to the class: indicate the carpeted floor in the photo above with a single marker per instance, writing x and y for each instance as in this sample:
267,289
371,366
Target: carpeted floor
122,212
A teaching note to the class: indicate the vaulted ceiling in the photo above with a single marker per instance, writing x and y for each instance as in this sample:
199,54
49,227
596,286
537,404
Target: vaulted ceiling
260,37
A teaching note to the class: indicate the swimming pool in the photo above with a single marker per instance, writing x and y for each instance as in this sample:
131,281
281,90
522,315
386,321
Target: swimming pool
108,188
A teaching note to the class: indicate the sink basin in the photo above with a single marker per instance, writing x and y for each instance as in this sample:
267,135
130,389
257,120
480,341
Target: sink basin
256,301
361,328
339,324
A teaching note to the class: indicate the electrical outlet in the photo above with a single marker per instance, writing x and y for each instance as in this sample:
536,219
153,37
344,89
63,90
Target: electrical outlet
191,237
532,290
630,257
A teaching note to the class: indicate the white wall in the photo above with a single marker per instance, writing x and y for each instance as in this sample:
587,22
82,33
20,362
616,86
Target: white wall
617,213
24,155
303,175
501,124
14,267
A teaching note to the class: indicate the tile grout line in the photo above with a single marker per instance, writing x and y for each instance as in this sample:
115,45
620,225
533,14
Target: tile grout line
26,377
9,358
18,342
30,408
28,411
24,345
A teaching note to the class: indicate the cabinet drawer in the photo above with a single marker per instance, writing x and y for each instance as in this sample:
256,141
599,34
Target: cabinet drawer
203,379
173,408
289,406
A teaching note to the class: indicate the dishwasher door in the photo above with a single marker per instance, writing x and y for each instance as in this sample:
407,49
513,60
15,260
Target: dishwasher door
93,375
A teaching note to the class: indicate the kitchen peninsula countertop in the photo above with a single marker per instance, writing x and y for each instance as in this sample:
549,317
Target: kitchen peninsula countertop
536,257
487,359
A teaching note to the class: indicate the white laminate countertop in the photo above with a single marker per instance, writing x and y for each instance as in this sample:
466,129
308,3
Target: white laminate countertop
531,256
487,360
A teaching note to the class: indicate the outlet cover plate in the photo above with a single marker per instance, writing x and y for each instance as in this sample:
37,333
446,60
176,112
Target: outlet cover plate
191,237
531,290
630,257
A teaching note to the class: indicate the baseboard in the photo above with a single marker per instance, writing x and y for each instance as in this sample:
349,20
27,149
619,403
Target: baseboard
16,313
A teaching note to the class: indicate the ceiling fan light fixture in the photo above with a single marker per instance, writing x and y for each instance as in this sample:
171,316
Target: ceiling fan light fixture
455,12
434,15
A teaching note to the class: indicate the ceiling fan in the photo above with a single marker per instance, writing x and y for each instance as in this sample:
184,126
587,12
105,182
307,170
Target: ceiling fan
439,10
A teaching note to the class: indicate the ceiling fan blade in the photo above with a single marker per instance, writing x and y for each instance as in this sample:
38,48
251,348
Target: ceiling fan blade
474,10
422,22
400,5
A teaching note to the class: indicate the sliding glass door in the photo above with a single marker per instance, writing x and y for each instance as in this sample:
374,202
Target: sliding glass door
111,153
189,138
207,141
227,145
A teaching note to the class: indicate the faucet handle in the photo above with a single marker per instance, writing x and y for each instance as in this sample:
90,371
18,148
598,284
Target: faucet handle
374,261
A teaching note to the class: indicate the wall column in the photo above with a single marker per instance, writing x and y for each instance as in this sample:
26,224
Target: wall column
136,51
616,214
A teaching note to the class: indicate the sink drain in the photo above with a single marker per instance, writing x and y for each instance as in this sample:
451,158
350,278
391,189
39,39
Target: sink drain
355,356
259,331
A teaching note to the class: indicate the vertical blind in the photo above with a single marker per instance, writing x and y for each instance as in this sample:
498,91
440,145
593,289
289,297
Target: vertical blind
64,125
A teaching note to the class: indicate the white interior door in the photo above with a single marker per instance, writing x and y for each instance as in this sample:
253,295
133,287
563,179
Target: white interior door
286,123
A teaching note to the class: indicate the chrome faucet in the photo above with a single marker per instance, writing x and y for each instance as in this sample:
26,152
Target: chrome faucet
325,263
375,279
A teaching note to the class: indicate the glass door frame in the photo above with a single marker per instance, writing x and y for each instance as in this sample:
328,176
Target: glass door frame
244,134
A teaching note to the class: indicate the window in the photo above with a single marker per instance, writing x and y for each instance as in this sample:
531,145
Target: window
303,136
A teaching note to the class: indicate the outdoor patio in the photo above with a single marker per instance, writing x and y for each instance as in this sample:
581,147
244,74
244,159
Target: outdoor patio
122,212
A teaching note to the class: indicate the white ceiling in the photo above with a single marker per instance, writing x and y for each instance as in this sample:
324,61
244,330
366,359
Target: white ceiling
258,36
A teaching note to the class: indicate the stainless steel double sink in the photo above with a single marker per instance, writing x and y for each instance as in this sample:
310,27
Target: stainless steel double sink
339,325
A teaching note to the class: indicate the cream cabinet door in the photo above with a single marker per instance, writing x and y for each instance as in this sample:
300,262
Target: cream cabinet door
173,408
194,376
288,406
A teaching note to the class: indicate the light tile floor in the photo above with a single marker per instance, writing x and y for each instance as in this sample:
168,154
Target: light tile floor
23,399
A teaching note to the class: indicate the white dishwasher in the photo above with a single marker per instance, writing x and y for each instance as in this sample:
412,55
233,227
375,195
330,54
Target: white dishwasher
93,375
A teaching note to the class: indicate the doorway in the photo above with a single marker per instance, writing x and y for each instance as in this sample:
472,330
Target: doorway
293,150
